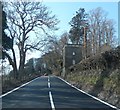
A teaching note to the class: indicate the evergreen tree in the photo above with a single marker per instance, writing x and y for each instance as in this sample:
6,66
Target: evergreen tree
78,22
7,42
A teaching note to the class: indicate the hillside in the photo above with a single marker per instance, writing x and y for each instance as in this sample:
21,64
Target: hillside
99,75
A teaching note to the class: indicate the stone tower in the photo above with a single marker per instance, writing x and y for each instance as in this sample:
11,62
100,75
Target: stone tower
72,54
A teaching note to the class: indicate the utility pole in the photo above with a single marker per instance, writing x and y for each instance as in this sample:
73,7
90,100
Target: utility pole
85,42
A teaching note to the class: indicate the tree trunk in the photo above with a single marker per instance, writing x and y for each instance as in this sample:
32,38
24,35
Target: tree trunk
13,63
22,61
22,52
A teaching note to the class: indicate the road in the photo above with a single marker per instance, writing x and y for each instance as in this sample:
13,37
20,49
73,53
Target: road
51,93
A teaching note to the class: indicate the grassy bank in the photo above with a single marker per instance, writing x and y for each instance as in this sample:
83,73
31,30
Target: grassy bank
103,84
98,75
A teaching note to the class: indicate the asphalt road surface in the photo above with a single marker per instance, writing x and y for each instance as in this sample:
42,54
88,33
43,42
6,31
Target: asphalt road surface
51,93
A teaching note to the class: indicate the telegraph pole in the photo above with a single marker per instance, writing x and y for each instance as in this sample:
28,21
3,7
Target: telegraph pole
85,42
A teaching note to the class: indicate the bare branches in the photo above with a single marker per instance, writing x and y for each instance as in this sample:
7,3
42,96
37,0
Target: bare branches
101,31
36,46
28,15
24,18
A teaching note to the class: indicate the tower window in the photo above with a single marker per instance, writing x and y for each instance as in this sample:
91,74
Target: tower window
73,53
73,62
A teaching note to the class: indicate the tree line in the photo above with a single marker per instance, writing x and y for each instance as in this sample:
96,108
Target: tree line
92,30
23,19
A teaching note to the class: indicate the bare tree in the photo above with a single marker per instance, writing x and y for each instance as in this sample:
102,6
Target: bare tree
101,29
27,22
53,56
63,41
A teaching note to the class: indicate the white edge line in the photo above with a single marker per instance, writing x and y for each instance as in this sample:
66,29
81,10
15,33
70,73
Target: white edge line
17,88
90,95
51,101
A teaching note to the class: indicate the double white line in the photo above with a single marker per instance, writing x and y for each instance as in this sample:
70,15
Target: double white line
50,95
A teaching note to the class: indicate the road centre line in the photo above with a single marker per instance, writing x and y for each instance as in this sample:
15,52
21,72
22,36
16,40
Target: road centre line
89,94
50,95
51,101
48,79
18,87
48,84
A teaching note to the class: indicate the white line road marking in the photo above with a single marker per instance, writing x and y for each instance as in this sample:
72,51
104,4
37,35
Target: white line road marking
50,96
51,101
48,84
48,79
89,94
17,88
